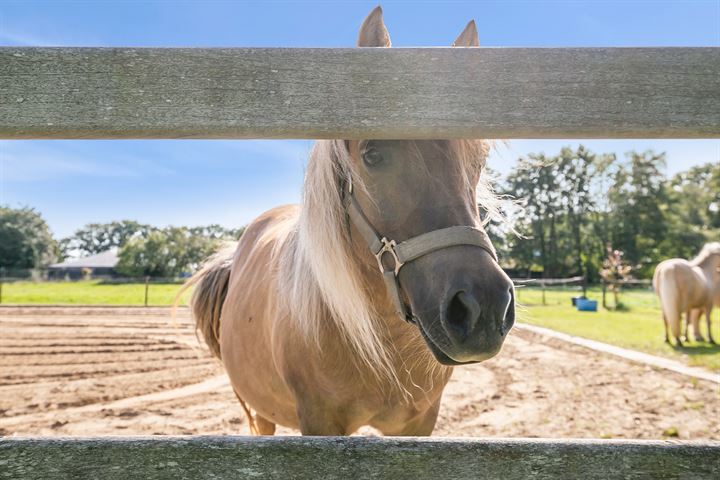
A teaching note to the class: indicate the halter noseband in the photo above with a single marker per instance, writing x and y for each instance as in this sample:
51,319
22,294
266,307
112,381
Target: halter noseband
410,249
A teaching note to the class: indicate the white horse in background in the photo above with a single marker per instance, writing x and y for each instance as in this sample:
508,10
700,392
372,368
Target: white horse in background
692,287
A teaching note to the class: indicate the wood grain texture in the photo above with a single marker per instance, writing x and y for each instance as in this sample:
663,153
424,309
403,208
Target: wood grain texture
354,457
359,93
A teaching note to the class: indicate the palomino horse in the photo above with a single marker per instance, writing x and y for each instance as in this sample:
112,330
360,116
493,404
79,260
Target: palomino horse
350,309
691,287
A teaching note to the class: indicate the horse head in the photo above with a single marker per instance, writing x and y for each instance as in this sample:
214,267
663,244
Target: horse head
414,204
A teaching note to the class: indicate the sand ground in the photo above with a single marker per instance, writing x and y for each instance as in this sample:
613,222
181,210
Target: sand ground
134,371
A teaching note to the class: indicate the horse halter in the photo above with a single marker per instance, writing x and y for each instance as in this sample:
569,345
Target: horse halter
411,249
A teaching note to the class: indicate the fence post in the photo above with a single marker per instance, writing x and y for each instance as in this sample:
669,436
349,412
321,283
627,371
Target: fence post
542,287
147,286
2,278
604,288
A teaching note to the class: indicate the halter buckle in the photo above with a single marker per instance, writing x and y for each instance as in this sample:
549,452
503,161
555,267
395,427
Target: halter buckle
388,246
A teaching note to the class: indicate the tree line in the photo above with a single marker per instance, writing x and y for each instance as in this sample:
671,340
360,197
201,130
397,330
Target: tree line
26,244
566,215
577,208
145,250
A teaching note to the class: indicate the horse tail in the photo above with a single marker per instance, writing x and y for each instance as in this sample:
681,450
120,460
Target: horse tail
666,287
211,286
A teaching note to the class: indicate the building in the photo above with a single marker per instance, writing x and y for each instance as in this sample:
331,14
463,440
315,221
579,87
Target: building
100,265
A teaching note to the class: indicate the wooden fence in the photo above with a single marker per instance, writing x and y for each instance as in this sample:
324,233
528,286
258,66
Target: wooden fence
48,93
579,281
354,457
360,93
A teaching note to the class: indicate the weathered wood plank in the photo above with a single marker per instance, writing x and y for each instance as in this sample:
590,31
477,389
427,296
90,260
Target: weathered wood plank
353,457
359,93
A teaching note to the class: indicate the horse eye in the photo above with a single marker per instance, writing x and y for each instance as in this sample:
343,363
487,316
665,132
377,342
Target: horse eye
372,157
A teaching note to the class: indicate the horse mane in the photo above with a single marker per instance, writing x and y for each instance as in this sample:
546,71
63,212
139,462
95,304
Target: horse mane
319,272
708,250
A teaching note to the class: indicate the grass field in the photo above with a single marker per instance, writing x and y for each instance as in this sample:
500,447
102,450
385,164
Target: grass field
638,327
92,292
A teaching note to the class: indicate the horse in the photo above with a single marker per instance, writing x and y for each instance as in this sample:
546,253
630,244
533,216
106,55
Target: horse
351,309
692,287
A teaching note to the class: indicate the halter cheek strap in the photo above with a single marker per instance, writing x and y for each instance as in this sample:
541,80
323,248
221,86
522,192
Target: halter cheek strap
411,249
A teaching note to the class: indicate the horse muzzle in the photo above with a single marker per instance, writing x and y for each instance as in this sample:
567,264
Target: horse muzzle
471,321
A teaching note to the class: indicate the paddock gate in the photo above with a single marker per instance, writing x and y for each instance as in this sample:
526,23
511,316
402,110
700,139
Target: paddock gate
399,93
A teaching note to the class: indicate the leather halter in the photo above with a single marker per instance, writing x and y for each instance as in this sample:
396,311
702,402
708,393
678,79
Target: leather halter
411,249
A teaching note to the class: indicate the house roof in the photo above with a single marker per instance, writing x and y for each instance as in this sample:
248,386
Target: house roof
106,259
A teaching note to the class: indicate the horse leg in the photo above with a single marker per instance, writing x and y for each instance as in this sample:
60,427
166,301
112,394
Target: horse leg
252,426
264,426
687,325
697,313
708,316
675,327
667,337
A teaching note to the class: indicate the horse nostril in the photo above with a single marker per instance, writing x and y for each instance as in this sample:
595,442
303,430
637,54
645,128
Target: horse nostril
509,319
462,313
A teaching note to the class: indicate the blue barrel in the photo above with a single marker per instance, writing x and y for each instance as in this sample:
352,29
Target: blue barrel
585,305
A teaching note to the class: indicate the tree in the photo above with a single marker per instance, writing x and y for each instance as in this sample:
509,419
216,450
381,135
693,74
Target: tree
577,203
638,222
99,237
217,231
599,231
692,210
170,252
575,172
614,272
533,181
25,240
558,199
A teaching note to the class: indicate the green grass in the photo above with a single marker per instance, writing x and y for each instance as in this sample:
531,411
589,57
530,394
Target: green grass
91,292
638,326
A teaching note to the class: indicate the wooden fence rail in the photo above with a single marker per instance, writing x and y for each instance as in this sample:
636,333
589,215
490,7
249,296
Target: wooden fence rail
354,457
359,93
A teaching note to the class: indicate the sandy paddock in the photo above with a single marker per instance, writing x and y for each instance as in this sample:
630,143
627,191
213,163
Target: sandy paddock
132,371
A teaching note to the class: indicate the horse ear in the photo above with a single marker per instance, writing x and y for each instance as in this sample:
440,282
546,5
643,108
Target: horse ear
373,32
468,37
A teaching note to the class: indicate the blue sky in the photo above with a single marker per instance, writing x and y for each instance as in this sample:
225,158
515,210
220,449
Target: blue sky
229,182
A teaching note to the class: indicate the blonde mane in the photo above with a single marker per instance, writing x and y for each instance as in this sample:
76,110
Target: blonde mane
708,250
319,270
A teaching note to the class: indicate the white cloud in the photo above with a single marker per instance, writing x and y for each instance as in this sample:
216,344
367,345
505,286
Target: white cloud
15,37
22,39
27,162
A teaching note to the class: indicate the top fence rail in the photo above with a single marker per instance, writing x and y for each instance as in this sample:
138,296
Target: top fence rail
397,93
